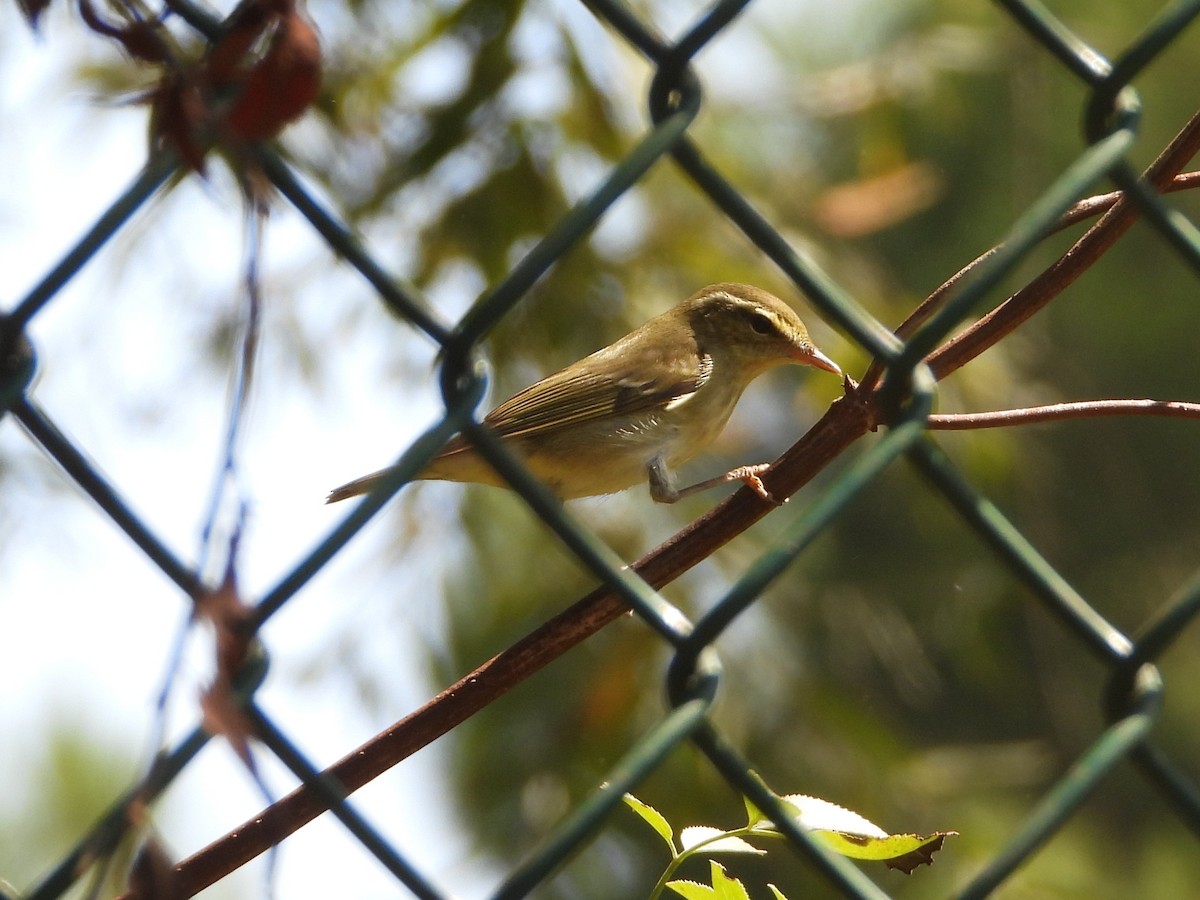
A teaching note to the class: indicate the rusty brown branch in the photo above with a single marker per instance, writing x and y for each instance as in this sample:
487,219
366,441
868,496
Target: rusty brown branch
1081,211
838,429
1052,281
847,420
1082,409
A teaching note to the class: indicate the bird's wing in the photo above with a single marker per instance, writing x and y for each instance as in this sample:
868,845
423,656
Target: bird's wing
592,389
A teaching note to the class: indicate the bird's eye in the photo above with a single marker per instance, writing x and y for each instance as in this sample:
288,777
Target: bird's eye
759,323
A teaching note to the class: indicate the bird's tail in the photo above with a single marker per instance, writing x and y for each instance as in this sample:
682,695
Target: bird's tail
355,487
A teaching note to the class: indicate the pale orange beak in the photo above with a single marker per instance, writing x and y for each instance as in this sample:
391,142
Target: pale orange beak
811,356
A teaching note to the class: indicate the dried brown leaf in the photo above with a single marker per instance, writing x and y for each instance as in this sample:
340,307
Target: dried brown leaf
32,10
230,618
920,856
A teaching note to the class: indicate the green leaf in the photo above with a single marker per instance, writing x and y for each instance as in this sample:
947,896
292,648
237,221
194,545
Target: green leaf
723,887
714,841
850,834
692,890
899,851
754,815
726,887
653,818
816,814
776,892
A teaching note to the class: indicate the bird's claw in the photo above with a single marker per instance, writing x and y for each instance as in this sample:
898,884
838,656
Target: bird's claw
750,478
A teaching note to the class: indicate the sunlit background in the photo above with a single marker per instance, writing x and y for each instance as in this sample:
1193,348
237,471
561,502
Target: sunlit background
897,669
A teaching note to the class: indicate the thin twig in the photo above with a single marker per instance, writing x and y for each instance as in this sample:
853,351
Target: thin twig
1081,211
226,482
847,420
1052,281
1080,409
1099,204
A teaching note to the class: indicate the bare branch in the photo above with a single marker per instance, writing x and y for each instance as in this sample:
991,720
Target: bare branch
1052,281
848,419
1102,203
1082,409
1081,211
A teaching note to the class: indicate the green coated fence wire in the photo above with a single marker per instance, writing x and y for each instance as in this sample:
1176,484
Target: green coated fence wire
1110,117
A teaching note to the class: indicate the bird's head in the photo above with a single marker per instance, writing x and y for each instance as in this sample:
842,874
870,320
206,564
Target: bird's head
749,330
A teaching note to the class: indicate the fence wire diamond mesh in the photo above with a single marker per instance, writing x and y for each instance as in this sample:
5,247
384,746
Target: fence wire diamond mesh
893,399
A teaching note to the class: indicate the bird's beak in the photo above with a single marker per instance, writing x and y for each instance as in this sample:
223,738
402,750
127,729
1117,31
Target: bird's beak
811,356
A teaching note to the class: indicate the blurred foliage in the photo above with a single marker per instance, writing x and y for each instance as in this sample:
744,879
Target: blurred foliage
897,669
75,778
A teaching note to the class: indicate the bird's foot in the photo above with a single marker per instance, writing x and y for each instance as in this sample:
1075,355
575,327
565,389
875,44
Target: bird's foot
748,475
662,487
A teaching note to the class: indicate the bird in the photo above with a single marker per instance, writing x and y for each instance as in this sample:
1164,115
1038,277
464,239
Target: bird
637,409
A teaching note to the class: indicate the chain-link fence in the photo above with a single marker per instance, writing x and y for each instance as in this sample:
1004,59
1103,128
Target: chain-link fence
894,397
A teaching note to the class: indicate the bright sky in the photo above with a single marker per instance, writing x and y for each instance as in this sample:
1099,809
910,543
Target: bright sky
88,622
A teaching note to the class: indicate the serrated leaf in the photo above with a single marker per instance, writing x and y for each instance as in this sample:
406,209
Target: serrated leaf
899,851
694,835
848,833
816,814
692,890
754,815
922,855
653,818
726,887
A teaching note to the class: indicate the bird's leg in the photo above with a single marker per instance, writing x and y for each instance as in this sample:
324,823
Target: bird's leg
748,475
662,481
663,489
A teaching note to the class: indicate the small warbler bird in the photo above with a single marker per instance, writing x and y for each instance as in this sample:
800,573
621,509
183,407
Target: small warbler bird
638,408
